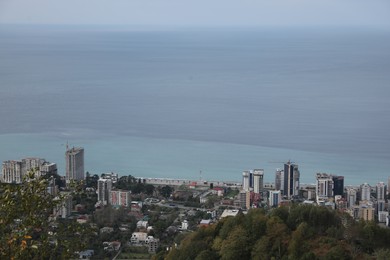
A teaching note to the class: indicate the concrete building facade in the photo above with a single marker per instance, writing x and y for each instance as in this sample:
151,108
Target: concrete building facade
104,190
258,180
74,158
245,181
351,197
291,180
275,197
279,180
12,172
120,198
324,187
365,192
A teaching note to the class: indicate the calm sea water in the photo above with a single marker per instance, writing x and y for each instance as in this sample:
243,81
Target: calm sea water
174,103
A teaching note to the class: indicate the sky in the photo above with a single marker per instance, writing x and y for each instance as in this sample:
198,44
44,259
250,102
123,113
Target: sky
202,13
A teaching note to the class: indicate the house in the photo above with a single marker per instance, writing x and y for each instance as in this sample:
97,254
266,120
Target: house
82,219
229,213
218,191
87,254
112,246
184,225
142,224
106,230
205,222
138,237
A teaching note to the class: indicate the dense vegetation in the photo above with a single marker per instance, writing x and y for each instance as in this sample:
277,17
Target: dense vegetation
297,232
27,229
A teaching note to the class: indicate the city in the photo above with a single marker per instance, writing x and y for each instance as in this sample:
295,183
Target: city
147,213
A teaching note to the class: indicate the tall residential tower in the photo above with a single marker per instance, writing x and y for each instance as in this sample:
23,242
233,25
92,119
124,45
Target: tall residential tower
74,158
291,180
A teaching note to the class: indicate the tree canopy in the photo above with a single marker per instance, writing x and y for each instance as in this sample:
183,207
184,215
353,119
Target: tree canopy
27,227
297,232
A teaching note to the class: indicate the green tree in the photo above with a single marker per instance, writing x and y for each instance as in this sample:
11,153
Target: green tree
237,245
166,191
26,231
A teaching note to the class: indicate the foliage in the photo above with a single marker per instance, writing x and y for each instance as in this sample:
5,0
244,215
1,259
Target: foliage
134,185
26,231
296,232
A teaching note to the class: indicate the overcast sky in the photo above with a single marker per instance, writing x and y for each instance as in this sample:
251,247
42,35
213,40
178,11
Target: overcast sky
198,12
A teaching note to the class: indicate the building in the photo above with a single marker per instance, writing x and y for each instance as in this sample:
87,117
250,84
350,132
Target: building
275,197
104,190
351,197
245,180
120,198
184,225
381,191
205,223
12,172
291,180
388,185
279,180
258,176
29,164
142,224
365,192
153,244
324,187
338,185
64,208
382,216
74,159
111,175
230,213
138,237
52,188
245,199
48,168
366,212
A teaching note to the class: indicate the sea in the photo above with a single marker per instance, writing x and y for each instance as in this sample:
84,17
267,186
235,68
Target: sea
199,103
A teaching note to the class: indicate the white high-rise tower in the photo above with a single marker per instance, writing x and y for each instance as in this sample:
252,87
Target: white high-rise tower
245,181
258,175
74,163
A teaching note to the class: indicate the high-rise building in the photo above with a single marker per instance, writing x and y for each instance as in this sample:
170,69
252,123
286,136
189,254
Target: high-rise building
15,171
120,198
39,166
291,180
74,158
29,164
351,197
64,208
365,192
12,172
245,199
275,196
388,185
251,176
48,168
104,190
324,187
258,176
279,180
338,185
366,212
245,181
381,191
381,197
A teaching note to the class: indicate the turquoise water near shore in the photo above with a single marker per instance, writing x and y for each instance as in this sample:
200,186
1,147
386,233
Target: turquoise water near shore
174,103
170,158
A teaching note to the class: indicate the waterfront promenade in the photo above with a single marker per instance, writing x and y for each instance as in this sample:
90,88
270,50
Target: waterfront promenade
198,183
